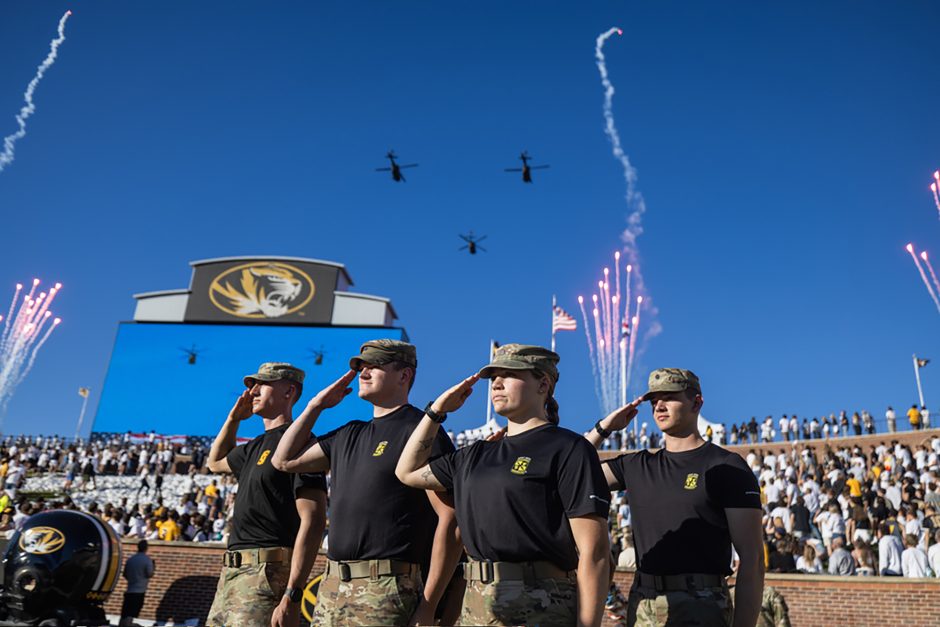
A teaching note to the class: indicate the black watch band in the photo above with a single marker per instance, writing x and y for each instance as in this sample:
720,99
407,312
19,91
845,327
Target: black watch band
605,433
294,595
433,415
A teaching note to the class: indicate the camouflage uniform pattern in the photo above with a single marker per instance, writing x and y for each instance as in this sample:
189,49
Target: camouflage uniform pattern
547,603
710,607
385,600
246,596
773,609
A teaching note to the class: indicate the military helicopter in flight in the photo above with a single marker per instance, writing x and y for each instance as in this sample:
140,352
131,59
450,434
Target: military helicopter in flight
317,355
473,243
395,168
526,169
191,354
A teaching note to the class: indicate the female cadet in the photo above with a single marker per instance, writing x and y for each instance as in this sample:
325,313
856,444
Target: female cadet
531,507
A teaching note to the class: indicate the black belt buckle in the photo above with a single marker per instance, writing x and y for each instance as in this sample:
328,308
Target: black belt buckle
487,571
345,574
233,559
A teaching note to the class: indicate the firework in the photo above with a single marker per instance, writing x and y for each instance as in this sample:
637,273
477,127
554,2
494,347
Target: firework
933,275
923,276
613,346
9,142
26,328
935,188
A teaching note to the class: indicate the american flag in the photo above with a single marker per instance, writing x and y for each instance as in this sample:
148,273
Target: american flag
562,320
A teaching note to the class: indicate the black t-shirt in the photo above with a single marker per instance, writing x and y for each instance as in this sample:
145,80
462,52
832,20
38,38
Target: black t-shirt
513,497
678,502
373,515
800,517
265,511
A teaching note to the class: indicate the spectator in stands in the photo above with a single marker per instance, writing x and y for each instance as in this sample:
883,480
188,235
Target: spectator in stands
809,561
913,416
866,564
892,419
889,552
914,560
933,554
840,560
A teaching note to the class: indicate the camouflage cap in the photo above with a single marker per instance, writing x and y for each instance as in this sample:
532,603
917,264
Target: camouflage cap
379,352
672,380
275,371
523,357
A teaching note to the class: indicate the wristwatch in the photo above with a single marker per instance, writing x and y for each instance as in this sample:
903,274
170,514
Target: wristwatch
294,595
605,433
433,415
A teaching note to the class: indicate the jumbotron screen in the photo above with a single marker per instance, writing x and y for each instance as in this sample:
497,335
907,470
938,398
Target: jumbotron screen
182,379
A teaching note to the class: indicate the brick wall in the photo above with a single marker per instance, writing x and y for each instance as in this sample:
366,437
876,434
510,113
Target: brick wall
186,577
853,601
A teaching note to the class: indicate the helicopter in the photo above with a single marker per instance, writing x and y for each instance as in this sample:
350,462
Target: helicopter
191,354
526,169
473,243
395,168
317,355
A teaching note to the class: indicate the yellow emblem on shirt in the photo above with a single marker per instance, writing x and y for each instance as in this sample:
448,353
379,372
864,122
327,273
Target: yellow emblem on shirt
380,448
691,481
521,466
264,457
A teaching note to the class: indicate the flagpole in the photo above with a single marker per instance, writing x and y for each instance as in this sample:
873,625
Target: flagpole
81,415
920,390
489,390
553,323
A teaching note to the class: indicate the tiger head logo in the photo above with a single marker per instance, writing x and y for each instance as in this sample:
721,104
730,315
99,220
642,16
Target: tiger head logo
261,290
42,540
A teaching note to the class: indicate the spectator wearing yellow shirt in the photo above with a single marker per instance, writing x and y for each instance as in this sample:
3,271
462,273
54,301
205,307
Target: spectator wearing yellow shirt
212,491
913,414
169,529
855,486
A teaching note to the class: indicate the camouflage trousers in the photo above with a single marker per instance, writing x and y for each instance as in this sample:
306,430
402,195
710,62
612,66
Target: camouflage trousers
246,596
385,600
544,603
709,607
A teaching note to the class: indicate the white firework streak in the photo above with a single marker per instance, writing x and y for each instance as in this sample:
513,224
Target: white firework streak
26,331
6,157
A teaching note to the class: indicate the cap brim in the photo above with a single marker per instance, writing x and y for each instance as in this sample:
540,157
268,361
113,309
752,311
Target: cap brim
486,372
355,363
251,379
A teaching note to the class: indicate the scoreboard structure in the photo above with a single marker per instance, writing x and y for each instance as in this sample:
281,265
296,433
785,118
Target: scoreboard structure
177,368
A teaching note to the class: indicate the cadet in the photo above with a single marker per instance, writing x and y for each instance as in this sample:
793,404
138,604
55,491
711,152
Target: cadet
531,507
690,502
381,532
278,520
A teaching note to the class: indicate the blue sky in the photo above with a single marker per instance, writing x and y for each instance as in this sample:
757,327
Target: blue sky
784,153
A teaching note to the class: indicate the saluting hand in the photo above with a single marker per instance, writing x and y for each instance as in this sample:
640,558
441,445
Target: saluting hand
622,416
331,395
242,410
453,399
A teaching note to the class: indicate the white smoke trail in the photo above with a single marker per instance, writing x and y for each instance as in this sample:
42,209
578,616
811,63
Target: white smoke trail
6,157
923,276
636,205
933,275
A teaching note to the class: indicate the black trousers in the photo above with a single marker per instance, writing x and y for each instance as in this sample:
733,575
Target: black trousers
133,602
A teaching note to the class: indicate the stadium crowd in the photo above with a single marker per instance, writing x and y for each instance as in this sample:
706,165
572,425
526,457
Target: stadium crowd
828,507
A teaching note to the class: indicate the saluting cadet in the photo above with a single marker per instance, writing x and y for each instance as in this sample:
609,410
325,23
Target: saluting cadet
279,518
691,501
531,507
381,532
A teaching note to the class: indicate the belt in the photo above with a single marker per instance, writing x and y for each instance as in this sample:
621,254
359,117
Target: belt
253,557
488,571
371,569
665,583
